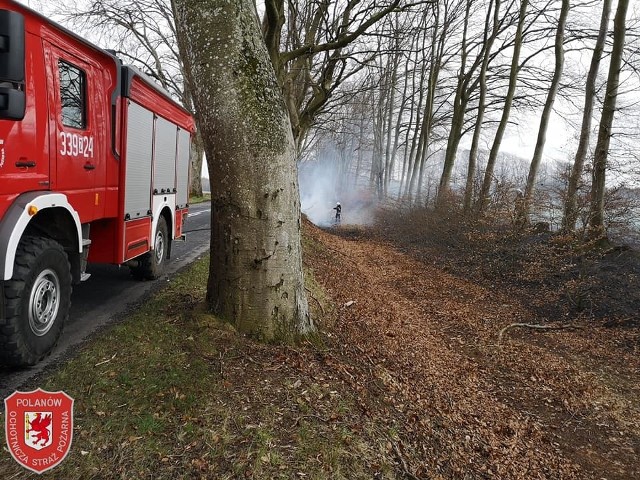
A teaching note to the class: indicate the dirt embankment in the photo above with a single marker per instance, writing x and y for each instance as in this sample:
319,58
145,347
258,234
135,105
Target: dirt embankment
466,403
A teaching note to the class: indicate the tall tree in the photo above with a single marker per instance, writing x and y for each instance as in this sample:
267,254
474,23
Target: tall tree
546,111
255,277
570,213
482,84
418,155
416,69
513,78
467,83
459,109
596,211
392,66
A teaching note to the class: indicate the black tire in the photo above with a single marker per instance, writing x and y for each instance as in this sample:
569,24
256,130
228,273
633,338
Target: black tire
37,301
151,264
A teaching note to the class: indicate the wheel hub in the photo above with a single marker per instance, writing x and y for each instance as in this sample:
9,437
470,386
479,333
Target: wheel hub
159,247
44,302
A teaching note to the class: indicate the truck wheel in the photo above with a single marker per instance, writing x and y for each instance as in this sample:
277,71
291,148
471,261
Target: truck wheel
151,264
37,301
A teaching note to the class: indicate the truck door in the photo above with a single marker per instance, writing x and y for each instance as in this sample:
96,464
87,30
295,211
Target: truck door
79,133
24,149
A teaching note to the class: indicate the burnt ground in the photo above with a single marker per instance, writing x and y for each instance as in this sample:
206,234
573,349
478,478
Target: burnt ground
431,331
557,277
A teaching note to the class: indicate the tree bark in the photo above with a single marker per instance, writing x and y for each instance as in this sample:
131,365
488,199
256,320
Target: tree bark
596,216
570,214
546,113
197,157
255,277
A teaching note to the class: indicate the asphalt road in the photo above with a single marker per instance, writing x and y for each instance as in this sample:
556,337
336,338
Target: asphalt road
108,295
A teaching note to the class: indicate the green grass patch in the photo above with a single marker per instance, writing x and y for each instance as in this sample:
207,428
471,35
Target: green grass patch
172,393
205,197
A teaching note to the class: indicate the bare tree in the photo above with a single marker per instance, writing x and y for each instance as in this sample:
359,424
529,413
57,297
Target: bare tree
459,109
513,77
255,276
415,94
570,214
546,112
482,84
468,81
437,49
311,46
598,187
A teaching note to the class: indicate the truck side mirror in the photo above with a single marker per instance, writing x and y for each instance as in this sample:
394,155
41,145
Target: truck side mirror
12,104
12,58
12,40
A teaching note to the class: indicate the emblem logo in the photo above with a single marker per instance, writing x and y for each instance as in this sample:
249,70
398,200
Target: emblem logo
39,428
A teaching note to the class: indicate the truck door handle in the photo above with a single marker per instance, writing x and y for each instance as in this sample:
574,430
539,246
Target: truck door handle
25,164
89,166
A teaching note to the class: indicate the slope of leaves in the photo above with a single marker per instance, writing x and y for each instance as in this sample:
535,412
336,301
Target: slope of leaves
561,404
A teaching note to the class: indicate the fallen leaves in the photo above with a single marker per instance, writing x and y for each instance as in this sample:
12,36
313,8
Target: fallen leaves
425,342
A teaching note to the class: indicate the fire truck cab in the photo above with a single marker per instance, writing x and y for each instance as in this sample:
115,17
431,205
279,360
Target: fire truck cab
94,167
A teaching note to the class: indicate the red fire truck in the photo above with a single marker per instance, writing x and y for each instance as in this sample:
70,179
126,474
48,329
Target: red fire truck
94,167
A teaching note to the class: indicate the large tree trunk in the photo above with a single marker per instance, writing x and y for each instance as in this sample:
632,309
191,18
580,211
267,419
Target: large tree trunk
596,217
546,113
255,278
570,214
497,142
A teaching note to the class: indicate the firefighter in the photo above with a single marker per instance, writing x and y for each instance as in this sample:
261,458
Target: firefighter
338,209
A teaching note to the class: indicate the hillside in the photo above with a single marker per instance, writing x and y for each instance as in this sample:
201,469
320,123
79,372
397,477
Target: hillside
469,404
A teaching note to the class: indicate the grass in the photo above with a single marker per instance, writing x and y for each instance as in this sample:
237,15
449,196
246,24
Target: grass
172,393
205,197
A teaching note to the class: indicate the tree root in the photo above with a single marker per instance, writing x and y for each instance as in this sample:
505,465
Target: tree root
537,327
314,298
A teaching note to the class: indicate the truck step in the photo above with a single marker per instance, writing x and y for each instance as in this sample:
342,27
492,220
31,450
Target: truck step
85,276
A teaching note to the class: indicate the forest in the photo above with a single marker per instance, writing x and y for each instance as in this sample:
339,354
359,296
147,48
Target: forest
460,97
480,104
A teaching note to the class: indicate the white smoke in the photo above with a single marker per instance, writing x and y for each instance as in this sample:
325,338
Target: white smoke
328,178
318,193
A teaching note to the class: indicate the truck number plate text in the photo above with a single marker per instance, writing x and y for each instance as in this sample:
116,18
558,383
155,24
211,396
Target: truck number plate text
74,145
